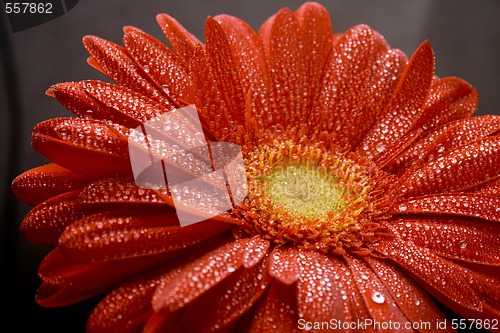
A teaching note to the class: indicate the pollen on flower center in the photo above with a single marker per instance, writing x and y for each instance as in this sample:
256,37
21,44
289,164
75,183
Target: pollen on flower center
307,196
305,190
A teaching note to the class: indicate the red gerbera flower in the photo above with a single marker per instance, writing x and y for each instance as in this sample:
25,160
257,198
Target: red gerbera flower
372,189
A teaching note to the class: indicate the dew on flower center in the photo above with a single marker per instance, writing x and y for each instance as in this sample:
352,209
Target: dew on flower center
305,191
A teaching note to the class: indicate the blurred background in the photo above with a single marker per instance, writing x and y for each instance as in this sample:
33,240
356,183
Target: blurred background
465,36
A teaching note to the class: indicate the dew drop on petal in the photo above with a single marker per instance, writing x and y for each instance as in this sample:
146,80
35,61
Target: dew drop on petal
166,88
380,147
377,297
462,245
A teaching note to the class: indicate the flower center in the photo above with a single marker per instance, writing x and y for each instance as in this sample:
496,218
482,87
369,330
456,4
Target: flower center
305,190
306,196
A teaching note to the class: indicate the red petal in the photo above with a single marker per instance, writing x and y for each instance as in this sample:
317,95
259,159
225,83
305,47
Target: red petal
487,284
125,309
118,65
115,236
123,193
118,194
42,183
449,99
480,206
165,67
357,50
413,301
160,322
316,30
483,279
224,67
275,312
466,240
488,189
358,310
86,146
396,148
72,96
282,38
284,264
319,293
227,301
201,275
254,254
378,300
125,106
459,169
45,223
443,140
94,64
386,72
351,123
366,97
439,276
209,99
250,62
183,42
406,104
66,281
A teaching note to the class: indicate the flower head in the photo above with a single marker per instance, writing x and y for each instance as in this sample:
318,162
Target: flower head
372,190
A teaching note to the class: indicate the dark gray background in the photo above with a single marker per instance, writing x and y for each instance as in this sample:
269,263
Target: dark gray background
465,35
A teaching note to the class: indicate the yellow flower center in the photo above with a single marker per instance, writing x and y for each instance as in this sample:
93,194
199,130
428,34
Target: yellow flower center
307,196
305,190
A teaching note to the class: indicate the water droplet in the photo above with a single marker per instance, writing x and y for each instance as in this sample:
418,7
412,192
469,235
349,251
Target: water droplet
146,68
165,87
377,297
462,245
380,147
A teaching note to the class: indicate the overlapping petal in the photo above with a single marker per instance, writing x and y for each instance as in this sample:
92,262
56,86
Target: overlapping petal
425,265
464,167
405,107
120,67
42,183
467,239
201,275
83,145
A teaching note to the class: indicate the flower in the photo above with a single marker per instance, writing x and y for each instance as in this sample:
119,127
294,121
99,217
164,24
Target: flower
372,190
